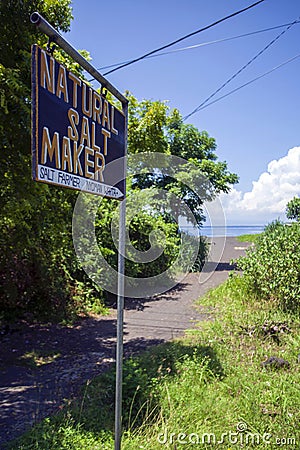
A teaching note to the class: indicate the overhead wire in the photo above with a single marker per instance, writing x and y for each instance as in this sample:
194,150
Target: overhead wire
204,104
201,44
250,82
184,37
240,70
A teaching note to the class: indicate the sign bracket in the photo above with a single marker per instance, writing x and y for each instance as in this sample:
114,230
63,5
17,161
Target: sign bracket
49,49
47,29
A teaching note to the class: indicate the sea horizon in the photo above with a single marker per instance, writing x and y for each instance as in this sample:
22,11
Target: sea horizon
228,230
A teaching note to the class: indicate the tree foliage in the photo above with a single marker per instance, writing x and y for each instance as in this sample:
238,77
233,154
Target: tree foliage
37,264
39,271
153,127
293,209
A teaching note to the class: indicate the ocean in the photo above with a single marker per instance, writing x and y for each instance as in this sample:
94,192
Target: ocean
229,231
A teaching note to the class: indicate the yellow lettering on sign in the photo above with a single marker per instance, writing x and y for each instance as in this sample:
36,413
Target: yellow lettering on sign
106,135
94,146
74,120
47,73
97,107
50,148
105,115
85,132
113,121
76,83
88,163
76,155
62,86
99,166
87,108
66,156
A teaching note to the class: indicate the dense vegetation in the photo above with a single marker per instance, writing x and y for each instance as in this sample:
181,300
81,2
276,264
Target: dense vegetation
272,268
39,272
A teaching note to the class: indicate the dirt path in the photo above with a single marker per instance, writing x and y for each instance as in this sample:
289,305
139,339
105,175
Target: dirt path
68,356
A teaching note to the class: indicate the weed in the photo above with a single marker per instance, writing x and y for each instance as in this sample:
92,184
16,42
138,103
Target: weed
248,237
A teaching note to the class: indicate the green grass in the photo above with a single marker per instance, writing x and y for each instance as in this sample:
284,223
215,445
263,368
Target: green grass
248,237
211,381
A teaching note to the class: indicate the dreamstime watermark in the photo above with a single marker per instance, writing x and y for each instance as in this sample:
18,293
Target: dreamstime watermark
198,185
241,436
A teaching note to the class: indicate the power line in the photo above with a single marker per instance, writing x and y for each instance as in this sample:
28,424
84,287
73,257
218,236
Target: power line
240,70
250,82
184,37
201,44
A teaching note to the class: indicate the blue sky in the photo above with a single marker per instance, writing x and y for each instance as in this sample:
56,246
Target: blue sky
253,127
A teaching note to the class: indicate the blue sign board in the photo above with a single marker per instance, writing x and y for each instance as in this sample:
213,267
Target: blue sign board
77,132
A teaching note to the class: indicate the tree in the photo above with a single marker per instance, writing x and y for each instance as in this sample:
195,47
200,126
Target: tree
293,209
39,271
37,263
153,127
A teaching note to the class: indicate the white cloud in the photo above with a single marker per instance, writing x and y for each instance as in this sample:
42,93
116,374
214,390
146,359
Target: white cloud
269,195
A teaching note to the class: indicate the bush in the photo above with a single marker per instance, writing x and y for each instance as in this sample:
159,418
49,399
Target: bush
293,209
272,268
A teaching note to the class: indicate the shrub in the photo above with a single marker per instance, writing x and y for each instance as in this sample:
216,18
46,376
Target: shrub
293,209
272,268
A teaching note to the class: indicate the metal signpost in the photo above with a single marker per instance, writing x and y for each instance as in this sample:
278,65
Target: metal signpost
76,133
